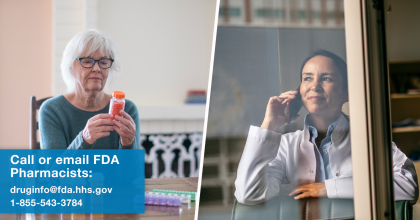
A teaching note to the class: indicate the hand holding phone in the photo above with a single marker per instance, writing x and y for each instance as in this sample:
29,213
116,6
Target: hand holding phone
275,116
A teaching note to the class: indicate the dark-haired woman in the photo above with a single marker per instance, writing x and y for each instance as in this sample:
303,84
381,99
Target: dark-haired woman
317,161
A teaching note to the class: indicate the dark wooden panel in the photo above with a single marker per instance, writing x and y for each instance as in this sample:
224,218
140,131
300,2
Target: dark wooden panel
405,108
409,67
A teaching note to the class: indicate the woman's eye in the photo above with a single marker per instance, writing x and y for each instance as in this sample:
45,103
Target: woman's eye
326,79
104,61
306,78
87,61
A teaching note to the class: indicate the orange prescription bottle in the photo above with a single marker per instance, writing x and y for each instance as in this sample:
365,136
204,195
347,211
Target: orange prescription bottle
117,103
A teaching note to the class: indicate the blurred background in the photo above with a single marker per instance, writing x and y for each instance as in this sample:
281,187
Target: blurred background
165,51
260,47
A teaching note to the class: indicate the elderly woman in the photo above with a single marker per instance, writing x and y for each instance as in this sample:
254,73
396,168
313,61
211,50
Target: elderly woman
79,119
315,162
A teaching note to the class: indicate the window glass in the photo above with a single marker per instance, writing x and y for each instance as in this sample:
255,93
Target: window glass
265,51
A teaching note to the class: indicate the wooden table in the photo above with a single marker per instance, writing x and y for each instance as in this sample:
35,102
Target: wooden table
152,212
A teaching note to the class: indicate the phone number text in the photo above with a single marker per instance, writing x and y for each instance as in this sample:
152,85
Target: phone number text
48,202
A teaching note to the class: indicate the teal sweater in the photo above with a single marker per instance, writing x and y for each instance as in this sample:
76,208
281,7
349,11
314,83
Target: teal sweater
61,126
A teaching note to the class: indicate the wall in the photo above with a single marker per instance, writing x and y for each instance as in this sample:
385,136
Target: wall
25,65
403,30
165,48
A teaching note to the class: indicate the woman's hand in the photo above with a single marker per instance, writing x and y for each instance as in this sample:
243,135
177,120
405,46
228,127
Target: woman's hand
97,127
126,128
274,115
310,190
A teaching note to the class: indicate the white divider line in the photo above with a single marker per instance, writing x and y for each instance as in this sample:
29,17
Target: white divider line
197,198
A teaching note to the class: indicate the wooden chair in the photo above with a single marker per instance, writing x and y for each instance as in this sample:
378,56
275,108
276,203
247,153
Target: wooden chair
35,105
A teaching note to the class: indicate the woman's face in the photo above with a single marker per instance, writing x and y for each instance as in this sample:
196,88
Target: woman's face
322,87
90,80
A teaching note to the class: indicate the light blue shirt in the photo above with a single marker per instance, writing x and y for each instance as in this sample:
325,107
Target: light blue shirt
323,170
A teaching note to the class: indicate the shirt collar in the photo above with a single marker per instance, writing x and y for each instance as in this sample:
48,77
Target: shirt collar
312,130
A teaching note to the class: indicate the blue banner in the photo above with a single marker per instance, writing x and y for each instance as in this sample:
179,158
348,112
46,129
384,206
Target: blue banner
72,181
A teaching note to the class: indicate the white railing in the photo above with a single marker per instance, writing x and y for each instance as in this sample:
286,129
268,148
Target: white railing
167,128
169,144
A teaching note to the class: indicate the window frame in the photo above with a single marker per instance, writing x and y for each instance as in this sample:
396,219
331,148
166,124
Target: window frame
369,109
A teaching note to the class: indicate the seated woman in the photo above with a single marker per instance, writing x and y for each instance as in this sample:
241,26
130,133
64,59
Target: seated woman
79,119
315,162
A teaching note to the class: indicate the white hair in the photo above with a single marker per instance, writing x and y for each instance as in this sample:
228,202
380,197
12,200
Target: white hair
86,43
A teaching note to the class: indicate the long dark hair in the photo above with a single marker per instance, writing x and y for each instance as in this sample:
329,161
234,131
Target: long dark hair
338,62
